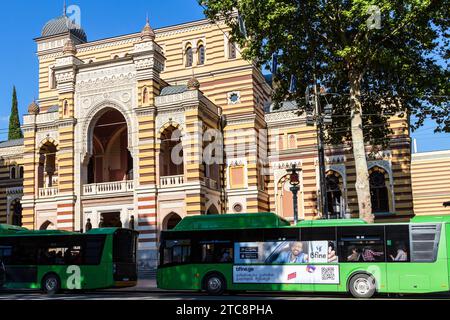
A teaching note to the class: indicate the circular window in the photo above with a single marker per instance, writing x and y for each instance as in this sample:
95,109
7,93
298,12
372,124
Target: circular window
234,97
238,208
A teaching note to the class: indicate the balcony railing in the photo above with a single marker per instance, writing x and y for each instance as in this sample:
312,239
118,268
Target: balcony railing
48,192
14,191
171,181
108,188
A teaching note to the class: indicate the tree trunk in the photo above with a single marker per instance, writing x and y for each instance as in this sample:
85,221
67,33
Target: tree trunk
359,151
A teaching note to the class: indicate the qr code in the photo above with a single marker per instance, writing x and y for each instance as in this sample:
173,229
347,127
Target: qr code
328,274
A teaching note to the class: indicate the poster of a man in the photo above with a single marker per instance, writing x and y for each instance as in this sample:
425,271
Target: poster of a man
295,255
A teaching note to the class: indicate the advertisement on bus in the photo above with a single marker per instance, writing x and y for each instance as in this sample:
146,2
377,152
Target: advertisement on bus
299,262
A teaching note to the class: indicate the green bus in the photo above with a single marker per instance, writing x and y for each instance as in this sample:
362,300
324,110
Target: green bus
58,260
263,252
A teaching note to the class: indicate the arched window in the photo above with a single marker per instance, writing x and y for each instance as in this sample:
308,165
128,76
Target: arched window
379,192
21,172
292,141
47,169
145,96
16,214
52,77
171,153
334,195
201,54
13,173
281,142
189,56
66,108
231,50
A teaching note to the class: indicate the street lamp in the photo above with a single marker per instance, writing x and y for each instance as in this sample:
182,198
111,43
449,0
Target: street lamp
295,181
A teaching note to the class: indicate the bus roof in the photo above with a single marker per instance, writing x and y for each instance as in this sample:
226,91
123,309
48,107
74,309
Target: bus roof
232,221
431,219
272,220
331,223
8,229
19,231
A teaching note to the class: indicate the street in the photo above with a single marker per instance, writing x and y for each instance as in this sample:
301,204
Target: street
147,291
178,296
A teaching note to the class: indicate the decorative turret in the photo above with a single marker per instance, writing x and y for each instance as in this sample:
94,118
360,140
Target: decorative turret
147,33
193,84
33,108
69,48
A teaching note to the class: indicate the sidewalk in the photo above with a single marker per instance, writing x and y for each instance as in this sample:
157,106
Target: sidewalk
145,285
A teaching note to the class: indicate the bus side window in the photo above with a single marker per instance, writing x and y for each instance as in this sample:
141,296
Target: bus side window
177,251
6,254
60,251
24,252
361,244
220,252
397,243
93,250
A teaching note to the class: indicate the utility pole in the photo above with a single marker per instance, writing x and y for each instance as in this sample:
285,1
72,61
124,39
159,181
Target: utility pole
318,120
295,181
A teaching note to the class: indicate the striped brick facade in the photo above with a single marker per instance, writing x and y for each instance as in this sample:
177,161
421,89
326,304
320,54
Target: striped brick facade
144,80
430,175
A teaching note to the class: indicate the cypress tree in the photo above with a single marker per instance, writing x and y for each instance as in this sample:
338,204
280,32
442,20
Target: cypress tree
15,132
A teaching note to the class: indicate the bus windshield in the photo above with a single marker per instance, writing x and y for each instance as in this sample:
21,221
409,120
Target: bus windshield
125,246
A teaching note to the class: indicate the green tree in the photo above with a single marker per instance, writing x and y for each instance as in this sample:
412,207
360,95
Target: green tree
14,132
375,59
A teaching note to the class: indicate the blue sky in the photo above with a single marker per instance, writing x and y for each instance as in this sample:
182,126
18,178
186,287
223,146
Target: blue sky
22,21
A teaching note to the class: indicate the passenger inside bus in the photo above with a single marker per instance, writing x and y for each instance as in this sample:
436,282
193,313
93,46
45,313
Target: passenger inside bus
402,255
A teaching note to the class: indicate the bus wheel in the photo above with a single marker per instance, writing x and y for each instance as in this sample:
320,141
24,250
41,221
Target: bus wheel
51,284
214,284
362,286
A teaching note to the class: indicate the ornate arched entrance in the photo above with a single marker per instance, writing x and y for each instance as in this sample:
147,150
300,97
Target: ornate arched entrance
111,159
47,225
285,199
171,221
212,210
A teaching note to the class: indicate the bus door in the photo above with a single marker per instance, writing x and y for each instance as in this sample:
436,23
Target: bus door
398,254
19,259
362,250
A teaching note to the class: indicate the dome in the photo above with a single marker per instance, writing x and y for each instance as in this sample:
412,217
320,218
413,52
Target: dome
147,33
33,108
193,84
62,25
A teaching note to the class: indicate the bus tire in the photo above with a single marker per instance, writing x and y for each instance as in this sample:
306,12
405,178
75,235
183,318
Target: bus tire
51,284
362,286
215,284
